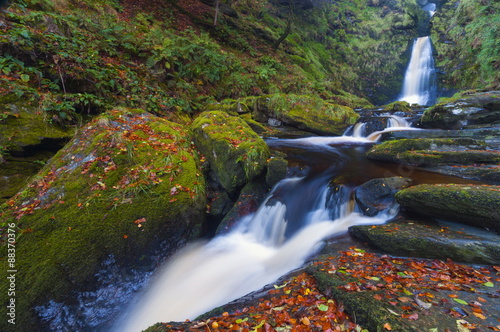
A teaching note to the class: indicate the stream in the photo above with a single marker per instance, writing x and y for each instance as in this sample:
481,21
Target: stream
313,203
289,227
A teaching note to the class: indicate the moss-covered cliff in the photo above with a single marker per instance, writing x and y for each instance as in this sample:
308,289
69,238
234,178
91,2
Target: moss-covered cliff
465,36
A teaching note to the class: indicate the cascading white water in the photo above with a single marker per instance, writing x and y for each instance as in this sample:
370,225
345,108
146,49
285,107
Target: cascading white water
430,8
287,229
418,85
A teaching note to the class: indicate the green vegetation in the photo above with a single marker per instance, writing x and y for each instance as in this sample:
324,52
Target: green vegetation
77,58
467,44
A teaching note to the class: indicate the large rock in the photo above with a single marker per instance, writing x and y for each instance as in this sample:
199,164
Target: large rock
428,152
415,148
236,154
126,191
307,113
377,195
474,110
426,239
476,205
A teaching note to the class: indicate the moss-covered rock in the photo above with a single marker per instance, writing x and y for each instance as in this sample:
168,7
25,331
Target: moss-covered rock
127,185
24,127
398,106
465,111
236,154
476,205
307,113
433,152
277,167
377,195
426,239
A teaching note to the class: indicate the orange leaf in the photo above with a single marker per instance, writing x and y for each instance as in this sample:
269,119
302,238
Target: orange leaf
453,295
377,297
387,326
479,315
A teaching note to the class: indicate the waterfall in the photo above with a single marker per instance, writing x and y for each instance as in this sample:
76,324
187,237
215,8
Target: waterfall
419,83
289,226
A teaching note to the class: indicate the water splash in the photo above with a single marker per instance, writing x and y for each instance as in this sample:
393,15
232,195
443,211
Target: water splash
419,82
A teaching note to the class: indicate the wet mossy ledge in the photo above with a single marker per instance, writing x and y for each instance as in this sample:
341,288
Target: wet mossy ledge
429,152
475,205
126,187
308,113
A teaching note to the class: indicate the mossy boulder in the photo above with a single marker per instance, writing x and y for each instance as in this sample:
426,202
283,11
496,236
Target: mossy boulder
434,152
377,195
466,111
308,113
398,106
23,126
231,106
427,239
475,205
236,154
126,191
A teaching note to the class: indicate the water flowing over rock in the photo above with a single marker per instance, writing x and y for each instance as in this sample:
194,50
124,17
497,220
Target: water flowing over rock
419,82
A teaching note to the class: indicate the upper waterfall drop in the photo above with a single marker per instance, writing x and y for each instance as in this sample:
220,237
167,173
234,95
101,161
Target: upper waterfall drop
419,83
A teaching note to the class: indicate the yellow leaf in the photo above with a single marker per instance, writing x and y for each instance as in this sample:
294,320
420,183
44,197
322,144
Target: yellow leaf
479,315
305,321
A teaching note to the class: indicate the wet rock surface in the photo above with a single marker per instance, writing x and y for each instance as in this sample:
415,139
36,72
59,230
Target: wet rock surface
427,238
475,205
478,109
377,195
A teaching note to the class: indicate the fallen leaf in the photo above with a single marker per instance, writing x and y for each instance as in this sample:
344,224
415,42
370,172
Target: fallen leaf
387,326
461,301
479,315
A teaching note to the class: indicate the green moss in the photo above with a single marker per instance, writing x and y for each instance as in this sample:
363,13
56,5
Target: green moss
28,127
87,205
398,106
307,113
470,204
433,152
235,152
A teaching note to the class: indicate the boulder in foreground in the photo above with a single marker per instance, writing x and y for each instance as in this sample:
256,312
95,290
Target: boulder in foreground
124,192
